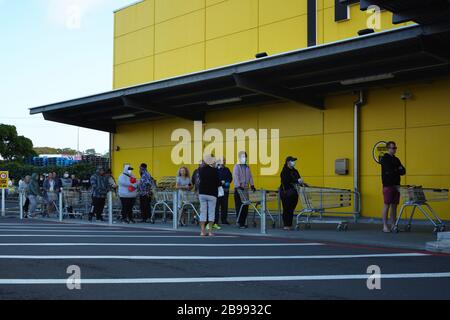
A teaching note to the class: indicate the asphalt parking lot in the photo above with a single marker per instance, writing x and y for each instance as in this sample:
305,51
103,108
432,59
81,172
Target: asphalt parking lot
136,263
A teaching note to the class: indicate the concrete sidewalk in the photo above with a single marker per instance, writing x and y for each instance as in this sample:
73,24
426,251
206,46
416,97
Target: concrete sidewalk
365,232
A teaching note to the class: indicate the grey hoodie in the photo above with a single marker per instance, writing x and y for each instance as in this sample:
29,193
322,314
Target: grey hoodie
125,183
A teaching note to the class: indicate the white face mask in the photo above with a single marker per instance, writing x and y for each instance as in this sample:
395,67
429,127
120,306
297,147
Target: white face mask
292,163
243,160
130,172
66,176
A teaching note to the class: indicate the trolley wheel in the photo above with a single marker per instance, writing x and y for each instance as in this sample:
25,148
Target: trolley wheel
436,230
346,227
396,229
298,227
408,228
443,228
152,221
274,225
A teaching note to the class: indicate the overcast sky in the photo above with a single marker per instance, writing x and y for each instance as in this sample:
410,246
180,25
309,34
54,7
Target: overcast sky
54,50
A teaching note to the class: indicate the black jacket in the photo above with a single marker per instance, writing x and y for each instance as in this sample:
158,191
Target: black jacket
209,181
289,177
391,170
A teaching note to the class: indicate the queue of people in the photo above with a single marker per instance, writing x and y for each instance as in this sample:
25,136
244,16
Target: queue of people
211,180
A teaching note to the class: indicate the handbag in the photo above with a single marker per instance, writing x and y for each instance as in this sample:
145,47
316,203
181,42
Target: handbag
221,192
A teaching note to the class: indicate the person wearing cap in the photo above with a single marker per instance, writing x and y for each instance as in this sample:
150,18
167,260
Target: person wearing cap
288,193
208,193
127,193
145,187
243,178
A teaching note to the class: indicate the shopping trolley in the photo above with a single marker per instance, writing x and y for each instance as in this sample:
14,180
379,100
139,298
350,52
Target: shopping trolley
418,197
254,199
189,200
317,202
72,203
164,200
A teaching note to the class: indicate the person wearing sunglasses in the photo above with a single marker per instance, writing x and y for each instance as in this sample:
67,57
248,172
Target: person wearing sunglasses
391,171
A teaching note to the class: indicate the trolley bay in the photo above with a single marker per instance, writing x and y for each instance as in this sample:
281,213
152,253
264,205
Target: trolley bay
137,262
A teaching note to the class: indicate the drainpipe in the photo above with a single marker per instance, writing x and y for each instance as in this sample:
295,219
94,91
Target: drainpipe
356,147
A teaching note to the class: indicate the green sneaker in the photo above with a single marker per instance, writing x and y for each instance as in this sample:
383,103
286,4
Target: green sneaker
217,227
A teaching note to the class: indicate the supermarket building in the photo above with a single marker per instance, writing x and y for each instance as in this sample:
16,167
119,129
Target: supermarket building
331,87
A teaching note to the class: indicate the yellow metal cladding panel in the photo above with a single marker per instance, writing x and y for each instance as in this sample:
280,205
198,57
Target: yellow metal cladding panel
213,2
337,146
427,150
338,116
180,32
284,36
180,61
292,119
384,110
169,9
368,141
429,105
164,129
230,17
231,49
134,135
244,118
372,196
276,10
133,18
309,151
334,31
133,73
135,45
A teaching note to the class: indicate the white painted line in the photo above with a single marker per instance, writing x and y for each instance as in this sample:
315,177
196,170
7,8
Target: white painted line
80,231
158,244
100,236
48,257
224,279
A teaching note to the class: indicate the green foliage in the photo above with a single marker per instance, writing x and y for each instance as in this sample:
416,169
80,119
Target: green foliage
19,170
13,146
48,150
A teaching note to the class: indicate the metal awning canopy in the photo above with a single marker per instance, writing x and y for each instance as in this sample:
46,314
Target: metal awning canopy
305,77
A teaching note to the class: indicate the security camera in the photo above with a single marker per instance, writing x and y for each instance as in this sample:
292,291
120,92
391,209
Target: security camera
406,95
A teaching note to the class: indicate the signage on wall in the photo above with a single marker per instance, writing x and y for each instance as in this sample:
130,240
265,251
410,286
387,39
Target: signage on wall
379,150
4,179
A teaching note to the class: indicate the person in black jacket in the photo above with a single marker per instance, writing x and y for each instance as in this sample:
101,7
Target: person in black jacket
391,170
289,196
209,184
226,178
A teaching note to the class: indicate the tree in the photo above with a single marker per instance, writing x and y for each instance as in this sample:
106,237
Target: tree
13,146
90,152
48,150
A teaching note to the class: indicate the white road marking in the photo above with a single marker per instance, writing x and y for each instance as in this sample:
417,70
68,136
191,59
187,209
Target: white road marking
158,244
100,236
61,257
224,279
80,231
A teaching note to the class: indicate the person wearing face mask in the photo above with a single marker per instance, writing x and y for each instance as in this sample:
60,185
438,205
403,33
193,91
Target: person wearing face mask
66,181
243,178
208,193
145,187
288,193
127,193
226,178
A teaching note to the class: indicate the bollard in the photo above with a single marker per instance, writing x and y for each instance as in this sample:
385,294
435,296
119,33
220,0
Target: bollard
3,203
110,208
175,210
60,207
21,205
263,212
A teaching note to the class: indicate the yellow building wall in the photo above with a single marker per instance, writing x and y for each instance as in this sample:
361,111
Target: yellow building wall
157,39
